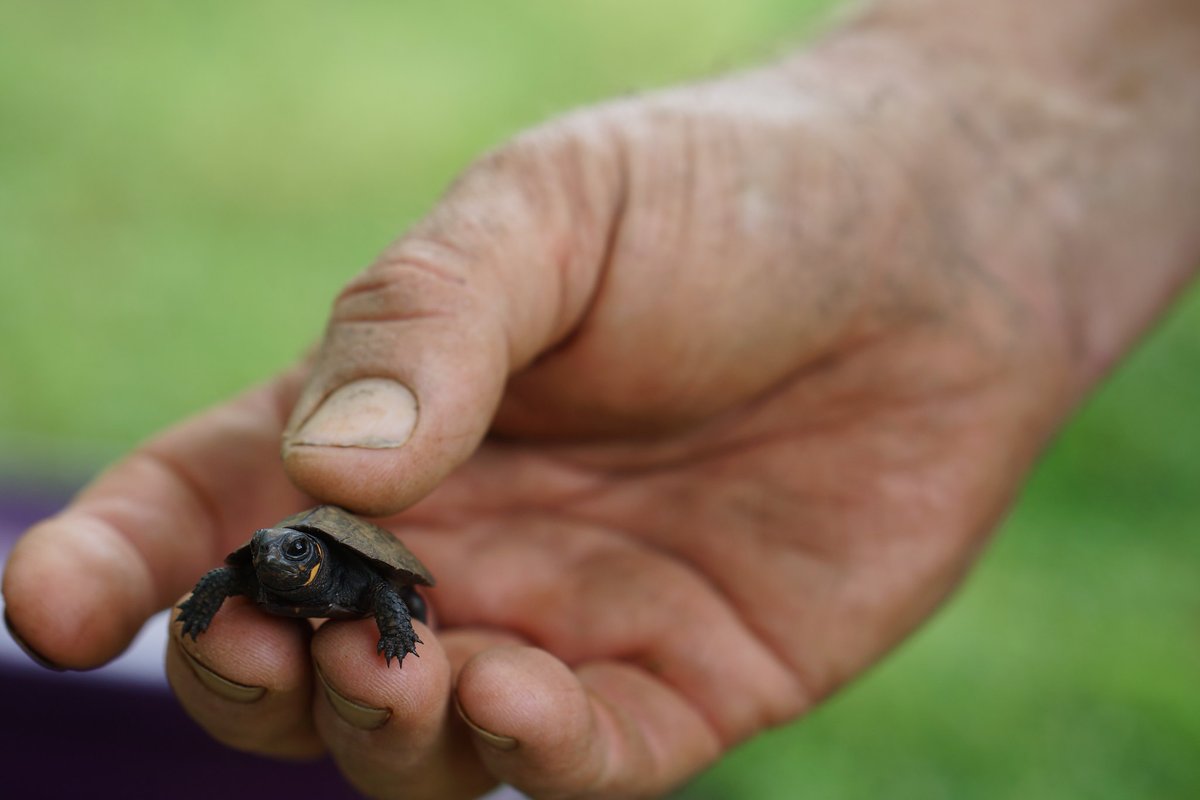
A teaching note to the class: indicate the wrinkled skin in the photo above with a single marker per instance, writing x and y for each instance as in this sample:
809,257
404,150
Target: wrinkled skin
720,391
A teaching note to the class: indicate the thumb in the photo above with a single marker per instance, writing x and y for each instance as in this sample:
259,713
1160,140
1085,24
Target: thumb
419,347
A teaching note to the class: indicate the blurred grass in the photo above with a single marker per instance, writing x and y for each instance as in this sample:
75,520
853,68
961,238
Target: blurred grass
183,187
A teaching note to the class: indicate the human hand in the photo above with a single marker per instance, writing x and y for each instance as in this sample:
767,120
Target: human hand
758,381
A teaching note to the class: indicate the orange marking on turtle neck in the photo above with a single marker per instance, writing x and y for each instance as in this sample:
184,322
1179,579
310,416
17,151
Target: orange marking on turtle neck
313,573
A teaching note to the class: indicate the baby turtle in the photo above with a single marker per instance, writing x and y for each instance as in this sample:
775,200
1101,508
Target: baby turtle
323,562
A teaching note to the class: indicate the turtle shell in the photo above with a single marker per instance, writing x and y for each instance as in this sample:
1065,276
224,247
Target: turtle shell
368,540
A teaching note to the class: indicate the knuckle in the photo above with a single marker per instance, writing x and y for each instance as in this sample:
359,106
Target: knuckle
415,281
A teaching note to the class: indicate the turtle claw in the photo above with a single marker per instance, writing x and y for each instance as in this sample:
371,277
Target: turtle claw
396,635
193,624
397,644
197,611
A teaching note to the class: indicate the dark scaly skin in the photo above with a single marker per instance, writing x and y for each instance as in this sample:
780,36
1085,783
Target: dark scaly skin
396,635
197,611
347,581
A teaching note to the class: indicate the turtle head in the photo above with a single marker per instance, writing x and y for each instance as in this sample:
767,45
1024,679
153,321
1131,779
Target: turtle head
287,560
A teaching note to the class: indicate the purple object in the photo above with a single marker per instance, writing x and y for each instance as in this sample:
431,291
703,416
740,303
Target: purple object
117,731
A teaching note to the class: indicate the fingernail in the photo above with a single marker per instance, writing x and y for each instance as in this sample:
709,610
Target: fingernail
219,684
37,657
373,413
364,717
494,739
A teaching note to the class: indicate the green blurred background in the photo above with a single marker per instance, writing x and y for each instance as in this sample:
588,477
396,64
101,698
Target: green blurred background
183,188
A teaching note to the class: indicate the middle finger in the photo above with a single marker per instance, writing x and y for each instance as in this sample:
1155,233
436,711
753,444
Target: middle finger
393,731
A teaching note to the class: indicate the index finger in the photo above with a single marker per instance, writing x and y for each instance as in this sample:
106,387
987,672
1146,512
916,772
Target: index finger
79,585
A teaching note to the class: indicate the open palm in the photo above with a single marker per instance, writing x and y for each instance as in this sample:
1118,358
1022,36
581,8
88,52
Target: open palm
701,406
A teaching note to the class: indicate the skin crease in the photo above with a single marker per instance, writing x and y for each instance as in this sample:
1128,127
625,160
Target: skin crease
759,362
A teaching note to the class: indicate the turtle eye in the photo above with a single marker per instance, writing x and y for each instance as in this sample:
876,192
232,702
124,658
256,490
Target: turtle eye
297,549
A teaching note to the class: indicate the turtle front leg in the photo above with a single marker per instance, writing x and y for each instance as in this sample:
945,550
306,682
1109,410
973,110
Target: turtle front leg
198,610
396,635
